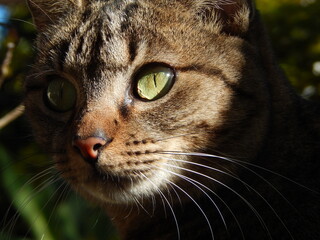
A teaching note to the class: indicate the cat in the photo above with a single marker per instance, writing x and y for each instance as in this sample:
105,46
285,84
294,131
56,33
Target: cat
175,118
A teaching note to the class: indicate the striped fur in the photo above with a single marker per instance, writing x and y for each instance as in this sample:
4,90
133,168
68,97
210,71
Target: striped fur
214,151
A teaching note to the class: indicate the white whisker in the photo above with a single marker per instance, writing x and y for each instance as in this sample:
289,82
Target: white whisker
194,182
130,211
141,206
59,198
168,203
23,21
29,199
239,163
235,192
30,181
195,202
238,179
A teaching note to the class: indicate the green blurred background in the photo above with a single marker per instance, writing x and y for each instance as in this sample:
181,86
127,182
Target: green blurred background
34,204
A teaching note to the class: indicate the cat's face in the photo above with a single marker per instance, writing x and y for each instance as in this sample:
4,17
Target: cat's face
124,94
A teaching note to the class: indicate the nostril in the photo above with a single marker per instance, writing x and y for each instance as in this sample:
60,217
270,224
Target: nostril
90,147
97,146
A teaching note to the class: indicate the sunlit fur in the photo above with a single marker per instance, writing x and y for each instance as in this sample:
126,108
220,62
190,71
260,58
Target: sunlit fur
229,153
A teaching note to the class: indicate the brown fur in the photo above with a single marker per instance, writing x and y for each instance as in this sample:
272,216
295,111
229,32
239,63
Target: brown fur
229,100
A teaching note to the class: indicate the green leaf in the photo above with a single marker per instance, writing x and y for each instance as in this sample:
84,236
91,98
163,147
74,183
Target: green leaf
20,194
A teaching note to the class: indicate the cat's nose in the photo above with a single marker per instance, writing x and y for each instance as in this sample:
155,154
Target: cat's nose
90,147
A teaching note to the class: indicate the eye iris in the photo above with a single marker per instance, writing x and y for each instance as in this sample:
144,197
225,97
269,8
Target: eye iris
61,95
155,83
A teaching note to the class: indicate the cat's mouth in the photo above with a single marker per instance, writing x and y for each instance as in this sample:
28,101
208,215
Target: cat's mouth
120,173
123,177
121,183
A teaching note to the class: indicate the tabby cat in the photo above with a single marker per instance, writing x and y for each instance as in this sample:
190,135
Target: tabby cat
174,117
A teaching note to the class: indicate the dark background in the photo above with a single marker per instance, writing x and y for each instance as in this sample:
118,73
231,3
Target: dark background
33,203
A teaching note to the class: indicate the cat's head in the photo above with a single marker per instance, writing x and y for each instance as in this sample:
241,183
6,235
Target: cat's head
123,94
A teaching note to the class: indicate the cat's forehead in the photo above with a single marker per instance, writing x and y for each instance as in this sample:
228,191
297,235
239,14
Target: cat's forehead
108,27
109,36
104,44
121,12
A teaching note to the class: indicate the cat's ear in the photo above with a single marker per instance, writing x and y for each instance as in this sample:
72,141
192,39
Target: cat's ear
230,16
45,12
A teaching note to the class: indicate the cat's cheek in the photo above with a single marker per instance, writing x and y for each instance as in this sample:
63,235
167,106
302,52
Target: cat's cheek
73,169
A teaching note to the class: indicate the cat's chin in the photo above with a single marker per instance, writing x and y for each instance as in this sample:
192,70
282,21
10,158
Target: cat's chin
107,187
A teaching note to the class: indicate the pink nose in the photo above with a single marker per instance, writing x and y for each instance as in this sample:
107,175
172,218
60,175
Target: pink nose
90,147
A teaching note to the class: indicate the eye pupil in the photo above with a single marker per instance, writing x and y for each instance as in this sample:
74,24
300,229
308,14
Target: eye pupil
60,95
154,82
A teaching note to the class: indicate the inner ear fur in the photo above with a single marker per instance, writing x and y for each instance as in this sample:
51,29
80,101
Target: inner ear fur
46,12
230,16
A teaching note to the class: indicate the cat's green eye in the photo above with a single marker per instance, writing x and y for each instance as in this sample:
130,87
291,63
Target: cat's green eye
60,95
154,81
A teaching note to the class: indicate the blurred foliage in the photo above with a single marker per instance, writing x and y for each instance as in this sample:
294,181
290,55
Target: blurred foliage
35,204
294,26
